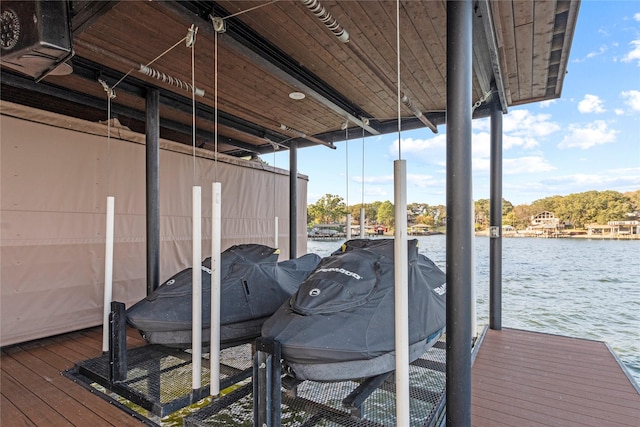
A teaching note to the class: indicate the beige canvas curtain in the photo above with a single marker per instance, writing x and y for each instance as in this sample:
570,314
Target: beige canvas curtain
56,173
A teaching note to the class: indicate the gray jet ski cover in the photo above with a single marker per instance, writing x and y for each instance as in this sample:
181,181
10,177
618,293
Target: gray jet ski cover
344,310
253,286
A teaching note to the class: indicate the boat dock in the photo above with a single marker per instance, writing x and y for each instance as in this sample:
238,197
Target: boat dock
519,378
522,378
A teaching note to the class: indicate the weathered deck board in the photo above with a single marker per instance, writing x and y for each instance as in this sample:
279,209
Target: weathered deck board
10,415
34,393
525,378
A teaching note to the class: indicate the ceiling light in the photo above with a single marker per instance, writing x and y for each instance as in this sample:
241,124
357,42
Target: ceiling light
297,95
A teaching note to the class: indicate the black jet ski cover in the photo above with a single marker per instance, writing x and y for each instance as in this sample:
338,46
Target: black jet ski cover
340,323
253,286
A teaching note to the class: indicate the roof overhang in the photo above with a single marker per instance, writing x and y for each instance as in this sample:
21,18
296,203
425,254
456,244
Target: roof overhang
271,49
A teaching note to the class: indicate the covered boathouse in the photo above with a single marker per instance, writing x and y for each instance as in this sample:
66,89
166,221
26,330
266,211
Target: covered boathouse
141,101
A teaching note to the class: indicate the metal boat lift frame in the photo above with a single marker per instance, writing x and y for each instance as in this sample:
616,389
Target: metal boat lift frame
118,371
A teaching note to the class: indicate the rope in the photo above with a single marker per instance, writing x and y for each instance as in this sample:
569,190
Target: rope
215,106
398,70
273,173
327,19
346,146
249,10
193,105
154,60
296,132
362,219
110,95
108,143
173,81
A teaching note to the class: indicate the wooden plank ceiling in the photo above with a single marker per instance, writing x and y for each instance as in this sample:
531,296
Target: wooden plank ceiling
271,49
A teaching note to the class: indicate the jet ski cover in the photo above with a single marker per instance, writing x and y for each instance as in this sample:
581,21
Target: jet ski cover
344,312
253,286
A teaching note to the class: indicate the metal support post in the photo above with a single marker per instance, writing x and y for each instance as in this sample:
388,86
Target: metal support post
495,218
293,199
459,211
153,188
267,384
117,343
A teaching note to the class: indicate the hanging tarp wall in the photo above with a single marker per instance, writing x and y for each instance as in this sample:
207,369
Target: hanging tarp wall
56,173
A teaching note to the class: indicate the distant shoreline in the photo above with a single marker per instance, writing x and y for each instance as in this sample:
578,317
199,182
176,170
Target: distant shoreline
485,233
515,234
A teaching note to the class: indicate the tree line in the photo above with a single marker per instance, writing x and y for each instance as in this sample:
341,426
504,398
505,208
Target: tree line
575,210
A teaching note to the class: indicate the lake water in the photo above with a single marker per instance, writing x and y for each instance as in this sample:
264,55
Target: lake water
573,287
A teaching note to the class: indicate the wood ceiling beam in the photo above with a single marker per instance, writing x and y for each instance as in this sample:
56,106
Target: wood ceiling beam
26,84
252,47
90,70
492,42
85,13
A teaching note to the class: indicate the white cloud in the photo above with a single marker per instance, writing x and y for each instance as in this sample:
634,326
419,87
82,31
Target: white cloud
430,151
421,180
524,124
621,180
530,164
634,54
637,16
594,53
619,111
600,51
527,164
410,145
593,134
591,104
375,187
509,141
632,99
547,103
376,193
481,146
380,179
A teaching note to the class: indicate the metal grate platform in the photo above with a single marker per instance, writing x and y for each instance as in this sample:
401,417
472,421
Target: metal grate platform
335,404
158,378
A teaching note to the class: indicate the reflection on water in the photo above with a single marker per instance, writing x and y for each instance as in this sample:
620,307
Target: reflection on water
574,287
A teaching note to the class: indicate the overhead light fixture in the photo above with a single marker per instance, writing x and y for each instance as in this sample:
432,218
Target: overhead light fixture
297,96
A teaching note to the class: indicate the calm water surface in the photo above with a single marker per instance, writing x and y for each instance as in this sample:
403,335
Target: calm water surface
574,287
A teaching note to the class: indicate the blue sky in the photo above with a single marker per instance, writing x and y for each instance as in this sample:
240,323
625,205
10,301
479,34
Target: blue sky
589,139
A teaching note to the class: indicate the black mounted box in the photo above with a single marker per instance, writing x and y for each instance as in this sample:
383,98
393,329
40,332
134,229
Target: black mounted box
35,37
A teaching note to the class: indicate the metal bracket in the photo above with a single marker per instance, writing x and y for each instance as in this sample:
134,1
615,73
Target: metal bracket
353,402
494,231
191,36
110,92
219,25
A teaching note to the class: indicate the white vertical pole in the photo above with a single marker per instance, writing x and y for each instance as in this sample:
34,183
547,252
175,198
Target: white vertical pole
216,238
401,278
108,273
348,226
196,331
362,222
474,310
275,233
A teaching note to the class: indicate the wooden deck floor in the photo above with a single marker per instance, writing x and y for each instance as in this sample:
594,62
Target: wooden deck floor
519,379
531,379
34,392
